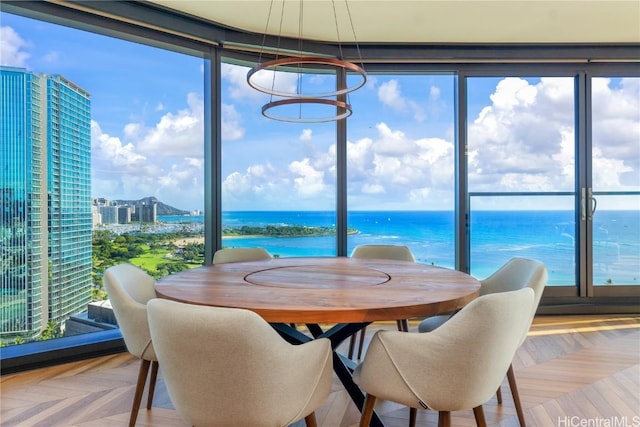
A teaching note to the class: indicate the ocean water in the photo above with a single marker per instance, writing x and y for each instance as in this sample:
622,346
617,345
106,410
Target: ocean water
496,236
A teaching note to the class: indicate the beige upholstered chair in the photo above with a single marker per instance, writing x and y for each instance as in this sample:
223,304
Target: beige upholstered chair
393,252
246,376
516,273
129,290
456,367
225,255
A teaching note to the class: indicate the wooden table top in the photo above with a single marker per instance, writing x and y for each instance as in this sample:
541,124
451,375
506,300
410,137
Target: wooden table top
324,289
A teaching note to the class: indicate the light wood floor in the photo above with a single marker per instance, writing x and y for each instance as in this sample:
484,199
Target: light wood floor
572,371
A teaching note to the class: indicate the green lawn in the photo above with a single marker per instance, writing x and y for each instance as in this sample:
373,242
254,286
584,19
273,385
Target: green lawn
151,260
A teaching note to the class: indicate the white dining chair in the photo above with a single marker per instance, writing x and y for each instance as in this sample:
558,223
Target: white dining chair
456,367
225,255
129,290
245,376
517,273
392,252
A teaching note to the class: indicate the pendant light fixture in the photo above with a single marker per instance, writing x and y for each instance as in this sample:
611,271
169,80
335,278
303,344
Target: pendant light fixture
340,109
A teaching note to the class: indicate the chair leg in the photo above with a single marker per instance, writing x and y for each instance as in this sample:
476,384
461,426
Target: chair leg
403,325
413,412
310,420
367,410
479,414
152,383
142,378
361,344
352,345
444,419
516,397
499,395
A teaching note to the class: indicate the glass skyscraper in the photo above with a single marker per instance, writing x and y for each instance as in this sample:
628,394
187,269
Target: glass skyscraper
45,191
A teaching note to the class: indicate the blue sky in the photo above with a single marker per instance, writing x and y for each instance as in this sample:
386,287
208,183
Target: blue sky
147,130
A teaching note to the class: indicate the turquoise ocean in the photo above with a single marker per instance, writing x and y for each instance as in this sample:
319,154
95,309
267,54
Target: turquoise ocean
496,236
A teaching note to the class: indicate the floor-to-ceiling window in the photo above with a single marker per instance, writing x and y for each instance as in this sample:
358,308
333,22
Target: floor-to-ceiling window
278,178
553,175
105,166
400,165
521,173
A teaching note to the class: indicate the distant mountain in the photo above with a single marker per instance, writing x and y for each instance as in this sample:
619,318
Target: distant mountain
161,209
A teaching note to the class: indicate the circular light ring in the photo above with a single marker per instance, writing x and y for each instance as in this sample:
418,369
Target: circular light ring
331,102
349,66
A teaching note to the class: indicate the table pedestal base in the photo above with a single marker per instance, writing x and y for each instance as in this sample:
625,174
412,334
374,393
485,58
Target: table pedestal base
342,366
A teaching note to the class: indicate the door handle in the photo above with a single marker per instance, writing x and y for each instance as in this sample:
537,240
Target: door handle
593,203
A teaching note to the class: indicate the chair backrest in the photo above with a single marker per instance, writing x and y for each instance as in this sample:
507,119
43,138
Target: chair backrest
236,376
393,252
515,274
459,365
225,255
130,289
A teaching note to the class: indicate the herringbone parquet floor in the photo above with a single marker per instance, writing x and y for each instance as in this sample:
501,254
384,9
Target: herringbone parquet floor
572,371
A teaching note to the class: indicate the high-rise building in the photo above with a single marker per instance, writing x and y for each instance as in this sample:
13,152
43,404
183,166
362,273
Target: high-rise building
45,190
148,212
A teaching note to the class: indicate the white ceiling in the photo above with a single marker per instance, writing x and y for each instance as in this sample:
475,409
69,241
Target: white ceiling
428,21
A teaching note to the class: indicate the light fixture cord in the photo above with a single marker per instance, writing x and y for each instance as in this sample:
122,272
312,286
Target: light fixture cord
264,33
335,19
300,32
355,40
353,31
275,70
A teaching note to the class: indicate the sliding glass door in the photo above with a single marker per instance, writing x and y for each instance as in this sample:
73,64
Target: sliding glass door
613,198
521,173
553,174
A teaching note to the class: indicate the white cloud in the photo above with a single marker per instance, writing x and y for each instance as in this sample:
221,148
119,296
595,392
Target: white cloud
372,189
110,149
308,181
389,94
616,133
176,134
12,51
51,57
516,143
231,127
525,140
239,89
164,160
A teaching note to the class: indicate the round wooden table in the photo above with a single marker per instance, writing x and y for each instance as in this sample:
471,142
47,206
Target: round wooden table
348,293
324,290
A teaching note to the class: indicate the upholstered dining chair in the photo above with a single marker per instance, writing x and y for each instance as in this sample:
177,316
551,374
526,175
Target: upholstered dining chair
393,252
456,367
129,290
517,273
240,254
246,376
